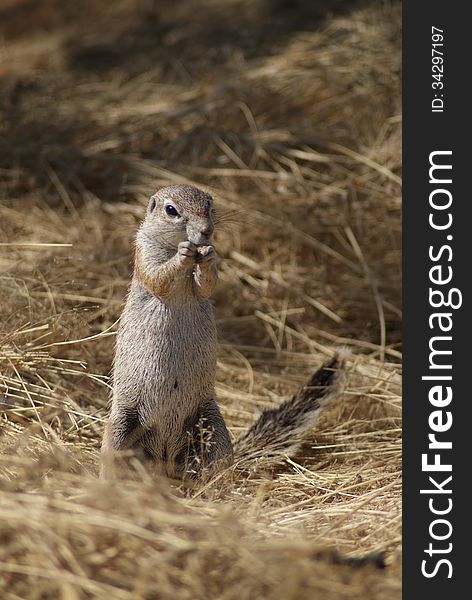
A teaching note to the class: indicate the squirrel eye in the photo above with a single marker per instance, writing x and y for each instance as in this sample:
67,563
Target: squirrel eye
171,210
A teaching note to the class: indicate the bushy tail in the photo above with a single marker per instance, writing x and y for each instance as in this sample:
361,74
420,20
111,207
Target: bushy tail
280,431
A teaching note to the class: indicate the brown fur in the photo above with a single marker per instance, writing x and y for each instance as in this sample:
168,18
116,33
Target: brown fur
163,406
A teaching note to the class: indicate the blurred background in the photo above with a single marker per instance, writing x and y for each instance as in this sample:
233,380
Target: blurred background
289,113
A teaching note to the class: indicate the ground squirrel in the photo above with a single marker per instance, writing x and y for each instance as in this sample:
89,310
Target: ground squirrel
163,404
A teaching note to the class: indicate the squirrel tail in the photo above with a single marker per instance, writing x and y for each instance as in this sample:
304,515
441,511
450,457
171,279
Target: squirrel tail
279,432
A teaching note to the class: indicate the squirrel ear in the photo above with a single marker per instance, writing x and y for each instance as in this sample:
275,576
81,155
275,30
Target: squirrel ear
152,205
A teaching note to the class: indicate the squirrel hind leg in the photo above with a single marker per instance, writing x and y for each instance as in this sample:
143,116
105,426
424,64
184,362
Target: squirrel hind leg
280,431
123,432
206,448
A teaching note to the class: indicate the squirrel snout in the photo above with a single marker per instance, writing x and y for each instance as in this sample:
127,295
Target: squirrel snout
200,235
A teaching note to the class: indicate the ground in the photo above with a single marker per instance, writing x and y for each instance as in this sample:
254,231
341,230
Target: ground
290,114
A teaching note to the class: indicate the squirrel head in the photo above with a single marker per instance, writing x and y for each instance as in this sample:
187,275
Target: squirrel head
178,213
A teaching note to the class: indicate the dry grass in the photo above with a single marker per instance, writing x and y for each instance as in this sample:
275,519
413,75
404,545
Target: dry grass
293,122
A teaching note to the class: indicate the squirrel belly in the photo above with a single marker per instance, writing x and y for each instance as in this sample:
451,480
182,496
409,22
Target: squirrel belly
165,357
163,378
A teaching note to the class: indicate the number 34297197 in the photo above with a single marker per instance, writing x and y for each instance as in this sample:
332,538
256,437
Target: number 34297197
437,57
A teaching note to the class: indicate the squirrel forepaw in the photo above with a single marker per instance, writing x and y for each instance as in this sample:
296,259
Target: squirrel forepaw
206,254
187,252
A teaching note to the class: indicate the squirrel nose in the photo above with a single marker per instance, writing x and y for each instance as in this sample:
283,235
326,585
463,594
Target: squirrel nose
207,231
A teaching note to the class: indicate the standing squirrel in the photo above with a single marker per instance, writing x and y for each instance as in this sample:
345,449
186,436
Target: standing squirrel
163,405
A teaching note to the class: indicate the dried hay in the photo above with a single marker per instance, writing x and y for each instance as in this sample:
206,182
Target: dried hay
293,123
